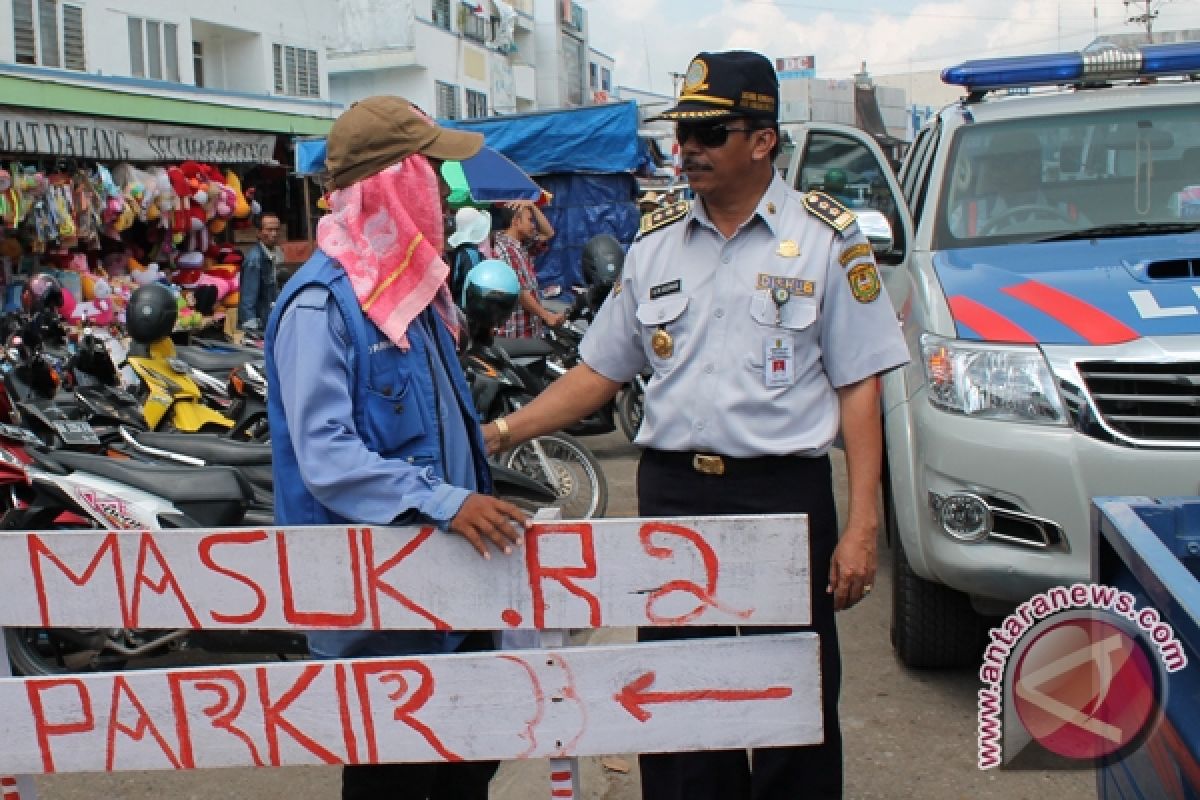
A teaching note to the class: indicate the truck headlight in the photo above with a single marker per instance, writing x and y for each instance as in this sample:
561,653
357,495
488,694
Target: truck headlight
988,381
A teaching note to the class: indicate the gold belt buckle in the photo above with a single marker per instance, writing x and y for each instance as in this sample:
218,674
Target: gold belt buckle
708,464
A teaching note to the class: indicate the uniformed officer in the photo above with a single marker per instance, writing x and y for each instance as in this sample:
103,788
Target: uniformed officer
762,315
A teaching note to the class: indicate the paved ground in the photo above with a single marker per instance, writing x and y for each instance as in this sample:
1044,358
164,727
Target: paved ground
908,734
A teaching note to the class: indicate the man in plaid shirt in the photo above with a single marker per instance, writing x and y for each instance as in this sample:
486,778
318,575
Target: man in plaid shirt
522,231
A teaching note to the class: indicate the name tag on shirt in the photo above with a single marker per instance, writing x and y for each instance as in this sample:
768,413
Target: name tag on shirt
779,361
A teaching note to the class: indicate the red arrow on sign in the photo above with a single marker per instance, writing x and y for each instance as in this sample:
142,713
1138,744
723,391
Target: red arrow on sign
634,695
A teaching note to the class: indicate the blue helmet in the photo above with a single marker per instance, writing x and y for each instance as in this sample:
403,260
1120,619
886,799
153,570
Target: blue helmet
490,292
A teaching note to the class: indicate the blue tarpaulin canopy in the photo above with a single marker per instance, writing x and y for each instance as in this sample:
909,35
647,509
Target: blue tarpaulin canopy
585,157
591,139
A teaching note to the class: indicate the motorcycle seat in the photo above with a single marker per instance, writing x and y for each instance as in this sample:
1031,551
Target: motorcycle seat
180,485
518,347
217,363
209,447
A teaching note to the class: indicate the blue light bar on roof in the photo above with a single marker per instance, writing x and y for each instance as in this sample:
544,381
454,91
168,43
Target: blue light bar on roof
1108,63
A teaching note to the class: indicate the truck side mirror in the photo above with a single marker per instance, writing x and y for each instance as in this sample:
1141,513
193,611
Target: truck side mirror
878,230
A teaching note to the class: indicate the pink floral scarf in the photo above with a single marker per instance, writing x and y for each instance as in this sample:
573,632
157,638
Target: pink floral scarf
386,231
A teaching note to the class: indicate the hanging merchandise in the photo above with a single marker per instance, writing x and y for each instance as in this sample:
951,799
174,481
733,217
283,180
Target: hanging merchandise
10,201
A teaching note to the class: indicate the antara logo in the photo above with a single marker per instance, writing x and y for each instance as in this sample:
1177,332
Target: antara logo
1148,306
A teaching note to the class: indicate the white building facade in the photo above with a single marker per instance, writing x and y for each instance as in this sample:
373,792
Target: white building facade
459,59
267,56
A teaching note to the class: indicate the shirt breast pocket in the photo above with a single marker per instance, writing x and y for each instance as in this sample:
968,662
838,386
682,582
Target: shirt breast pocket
664,318
394,420
794,319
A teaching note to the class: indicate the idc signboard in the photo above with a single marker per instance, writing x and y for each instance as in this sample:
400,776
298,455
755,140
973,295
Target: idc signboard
796,67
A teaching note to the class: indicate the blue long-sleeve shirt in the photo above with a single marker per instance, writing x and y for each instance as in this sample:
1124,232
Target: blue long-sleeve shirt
312,348
257,287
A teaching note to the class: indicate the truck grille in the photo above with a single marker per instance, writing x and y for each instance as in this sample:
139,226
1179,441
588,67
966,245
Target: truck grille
1148,402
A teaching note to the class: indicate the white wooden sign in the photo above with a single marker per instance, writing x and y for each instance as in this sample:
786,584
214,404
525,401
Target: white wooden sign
619,572
693,695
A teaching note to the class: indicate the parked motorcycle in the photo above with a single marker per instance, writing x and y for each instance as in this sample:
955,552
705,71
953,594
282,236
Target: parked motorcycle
558,460
46,490
171,398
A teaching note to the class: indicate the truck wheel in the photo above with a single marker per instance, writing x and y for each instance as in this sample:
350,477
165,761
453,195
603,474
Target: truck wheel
932,625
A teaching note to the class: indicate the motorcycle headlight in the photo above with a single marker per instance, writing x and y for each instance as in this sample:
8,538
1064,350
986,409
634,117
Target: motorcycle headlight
1000,382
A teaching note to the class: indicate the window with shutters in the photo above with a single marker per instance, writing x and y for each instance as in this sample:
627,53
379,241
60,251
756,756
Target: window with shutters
474,26
153,49
476,104
441,14
23,33
198,63
74,55
48,34
296,71
447,101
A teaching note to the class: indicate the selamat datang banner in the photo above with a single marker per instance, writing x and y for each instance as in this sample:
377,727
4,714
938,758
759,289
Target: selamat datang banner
33,133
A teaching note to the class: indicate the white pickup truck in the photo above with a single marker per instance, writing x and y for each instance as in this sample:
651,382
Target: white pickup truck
1045,267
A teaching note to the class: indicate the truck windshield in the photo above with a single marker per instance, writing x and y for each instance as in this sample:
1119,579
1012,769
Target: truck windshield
1117,172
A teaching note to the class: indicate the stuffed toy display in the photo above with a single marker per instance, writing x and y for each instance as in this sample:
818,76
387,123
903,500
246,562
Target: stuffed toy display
104,230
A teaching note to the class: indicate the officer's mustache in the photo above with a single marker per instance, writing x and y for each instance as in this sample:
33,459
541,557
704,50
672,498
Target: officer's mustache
696,166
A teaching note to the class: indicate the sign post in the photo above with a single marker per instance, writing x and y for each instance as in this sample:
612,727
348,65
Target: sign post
558,702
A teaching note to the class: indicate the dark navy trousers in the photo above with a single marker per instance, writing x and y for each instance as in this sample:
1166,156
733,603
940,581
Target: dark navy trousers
668,485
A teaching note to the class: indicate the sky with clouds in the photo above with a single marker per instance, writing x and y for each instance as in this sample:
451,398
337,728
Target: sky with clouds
652,38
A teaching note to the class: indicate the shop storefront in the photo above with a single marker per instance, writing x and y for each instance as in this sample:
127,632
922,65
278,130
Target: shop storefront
107,190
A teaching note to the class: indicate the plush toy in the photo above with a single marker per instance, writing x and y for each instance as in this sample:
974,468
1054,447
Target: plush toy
241,207
102,303
188,268
188,318
224,275
181,221
149,274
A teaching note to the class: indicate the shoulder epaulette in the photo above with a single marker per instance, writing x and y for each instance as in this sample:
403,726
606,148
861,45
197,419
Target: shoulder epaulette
663,217
829,211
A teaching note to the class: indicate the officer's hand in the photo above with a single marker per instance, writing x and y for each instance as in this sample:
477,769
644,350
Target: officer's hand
852,568
484,519
554,319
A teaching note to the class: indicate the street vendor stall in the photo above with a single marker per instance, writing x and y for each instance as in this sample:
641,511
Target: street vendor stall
106,204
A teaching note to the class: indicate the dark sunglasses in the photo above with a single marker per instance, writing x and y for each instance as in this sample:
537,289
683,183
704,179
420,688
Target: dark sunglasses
708,134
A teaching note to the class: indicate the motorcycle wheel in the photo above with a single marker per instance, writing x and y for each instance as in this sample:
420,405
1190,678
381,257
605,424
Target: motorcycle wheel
574,472
36,652
629,411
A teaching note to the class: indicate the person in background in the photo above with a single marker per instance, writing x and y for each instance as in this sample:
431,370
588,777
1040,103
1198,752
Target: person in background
762,316
258,285
522,232
471,229
371,419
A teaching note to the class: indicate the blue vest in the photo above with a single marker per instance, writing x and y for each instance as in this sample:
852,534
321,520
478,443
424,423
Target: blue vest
393,397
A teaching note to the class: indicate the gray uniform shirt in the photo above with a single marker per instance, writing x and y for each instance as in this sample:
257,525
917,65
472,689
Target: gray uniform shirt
714,391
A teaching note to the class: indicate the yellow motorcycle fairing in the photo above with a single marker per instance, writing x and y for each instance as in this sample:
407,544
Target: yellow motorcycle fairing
192,417
173,393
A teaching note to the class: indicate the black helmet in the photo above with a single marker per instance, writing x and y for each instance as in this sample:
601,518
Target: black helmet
151,313
490,293
603,258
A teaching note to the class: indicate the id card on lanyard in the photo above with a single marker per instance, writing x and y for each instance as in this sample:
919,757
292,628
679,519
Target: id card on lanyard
779,361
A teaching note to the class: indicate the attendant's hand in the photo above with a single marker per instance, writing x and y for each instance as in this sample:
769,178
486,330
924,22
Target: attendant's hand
484,519
554,318
852,568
